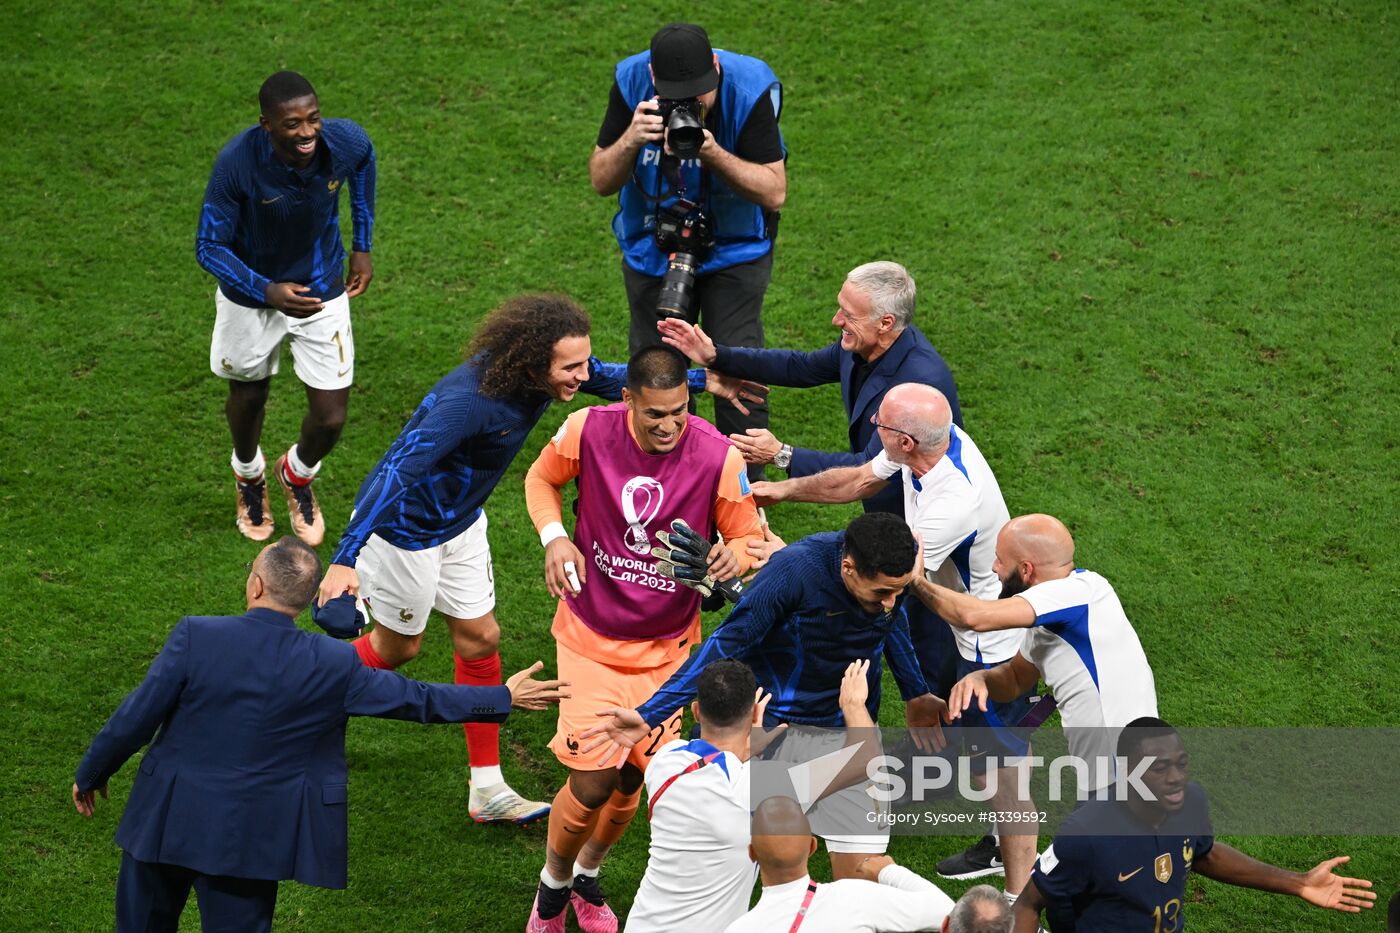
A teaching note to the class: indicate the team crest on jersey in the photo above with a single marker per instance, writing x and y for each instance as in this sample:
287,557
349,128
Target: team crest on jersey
1163,867
405,615
333,185
1188,852
641,500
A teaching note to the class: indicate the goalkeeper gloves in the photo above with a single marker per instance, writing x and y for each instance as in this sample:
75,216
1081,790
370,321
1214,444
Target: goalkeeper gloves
684,557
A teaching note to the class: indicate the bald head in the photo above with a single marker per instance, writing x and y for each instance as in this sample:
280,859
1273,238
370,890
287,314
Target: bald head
781,839
1036,548
921,411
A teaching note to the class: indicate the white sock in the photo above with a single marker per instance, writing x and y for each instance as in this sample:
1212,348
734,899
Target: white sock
995,835
487,776
252,470
301,470
1010,898
590,872
551,882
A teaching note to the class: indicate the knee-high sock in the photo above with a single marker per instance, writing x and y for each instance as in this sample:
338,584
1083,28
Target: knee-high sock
570,824
368,656
615,816
483,738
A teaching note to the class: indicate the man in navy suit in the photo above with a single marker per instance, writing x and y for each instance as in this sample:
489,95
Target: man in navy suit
246,783
879,348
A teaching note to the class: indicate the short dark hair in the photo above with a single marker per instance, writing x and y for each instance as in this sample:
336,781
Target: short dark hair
291,572
280,88
880,544
516,342
725,691
655,368
1140,730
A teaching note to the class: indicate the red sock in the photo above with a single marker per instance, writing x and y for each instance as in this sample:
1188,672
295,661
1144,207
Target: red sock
292,477
368,656
483,738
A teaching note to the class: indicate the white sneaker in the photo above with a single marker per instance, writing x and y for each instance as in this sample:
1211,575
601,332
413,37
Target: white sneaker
497,803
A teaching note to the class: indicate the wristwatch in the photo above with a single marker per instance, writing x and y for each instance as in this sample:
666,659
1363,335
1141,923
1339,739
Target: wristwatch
783,458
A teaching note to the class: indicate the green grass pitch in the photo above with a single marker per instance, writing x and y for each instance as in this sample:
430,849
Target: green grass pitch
1158,243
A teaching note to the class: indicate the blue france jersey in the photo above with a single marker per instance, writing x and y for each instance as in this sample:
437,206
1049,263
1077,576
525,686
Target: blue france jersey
439,471
1115,874
264,221
798,627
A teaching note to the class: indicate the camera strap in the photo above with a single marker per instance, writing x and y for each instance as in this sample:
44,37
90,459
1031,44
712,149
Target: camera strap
670,183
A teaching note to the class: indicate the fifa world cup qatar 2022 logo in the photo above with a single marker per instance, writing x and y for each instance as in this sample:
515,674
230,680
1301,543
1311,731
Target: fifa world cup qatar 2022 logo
641,500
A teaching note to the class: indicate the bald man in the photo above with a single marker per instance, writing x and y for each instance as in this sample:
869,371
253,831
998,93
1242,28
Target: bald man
953,503
1079,640
791,900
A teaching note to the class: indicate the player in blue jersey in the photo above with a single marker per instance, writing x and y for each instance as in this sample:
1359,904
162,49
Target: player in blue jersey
1120,866
269,231
820,604
416,540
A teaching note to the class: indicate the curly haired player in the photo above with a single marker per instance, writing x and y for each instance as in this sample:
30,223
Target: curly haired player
417,539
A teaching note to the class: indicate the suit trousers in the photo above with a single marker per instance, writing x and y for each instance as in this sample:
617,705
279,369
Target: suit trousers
151,896
729,305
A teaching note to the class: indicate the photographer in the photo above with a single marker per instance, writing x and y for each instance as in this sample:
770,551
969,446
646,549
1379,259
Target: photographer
691,138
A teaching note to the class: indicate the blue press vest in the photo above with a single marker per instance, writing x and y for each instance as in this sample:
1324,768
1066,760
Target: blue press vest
737,222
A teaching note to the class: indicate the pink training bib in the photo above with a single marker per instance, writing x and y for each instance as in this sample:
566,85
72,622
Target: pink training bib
627,495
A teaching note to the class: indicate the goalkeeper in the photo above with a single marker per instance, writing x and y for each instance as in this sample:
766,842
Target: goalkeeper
625,622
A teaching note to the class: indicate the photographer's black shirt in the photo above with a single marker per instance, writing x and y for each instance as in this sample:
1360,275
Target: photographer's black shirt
759,141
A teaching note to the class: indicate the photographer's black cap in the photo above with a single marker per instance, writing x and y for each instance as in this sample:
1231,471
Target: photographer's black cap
682,62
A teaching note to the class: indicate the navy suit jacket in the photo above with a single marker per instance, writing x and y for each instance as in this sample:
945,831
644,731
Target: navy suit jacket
247,777
911,358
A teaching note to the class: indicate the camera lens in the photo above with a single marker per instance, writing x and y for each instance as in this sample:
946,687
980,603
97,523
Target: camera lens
684,133
677,286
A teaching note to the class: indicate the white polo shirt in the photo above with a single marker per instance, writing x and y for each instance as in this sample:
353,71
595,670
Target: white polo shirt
698,874
901,901
1089,654
958,510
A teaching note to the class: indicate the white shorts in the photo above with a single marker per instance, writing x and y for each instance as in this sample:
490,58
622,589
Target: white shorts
840,819
399,588
248,341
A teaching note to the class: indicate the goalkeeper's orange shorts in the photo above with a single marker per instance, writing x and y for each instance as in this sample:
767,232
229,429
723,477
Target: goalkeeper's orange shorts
596,686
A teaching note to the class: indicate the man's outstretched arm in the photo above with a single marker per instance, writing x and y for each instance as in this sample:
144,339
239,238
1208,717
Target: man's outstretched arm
846,484
1320,886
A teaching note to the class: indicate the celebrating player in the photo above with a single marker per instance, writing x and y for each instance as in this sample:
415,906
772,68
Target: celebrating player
1122,864
622,628
417,538
820,604
270,233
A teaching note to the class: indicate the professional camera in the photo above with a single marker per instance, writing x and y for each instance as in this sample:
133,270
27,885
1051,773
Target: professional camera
685,131
683,230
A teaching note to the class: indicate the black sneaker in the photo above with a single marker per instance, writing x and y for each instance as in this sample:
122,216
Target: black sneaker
976,862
